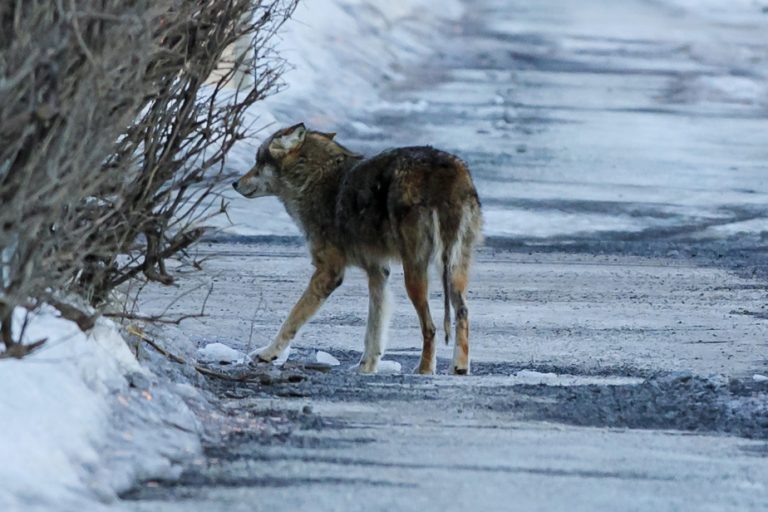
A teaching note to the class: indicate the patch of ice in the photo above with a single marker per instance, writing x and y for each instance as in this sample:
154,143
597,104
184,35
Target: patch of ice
389,367
219,353
326,358
759,378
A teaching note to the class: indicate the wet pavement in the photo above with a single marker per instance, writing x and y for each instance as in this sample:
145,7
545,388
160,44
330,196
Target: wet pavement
624,119
619,321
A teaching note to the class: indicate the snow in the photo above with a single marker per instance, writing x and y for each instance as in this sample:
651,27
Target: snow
759,378
59,434
389,367
45,439
371,43
219,353
326,358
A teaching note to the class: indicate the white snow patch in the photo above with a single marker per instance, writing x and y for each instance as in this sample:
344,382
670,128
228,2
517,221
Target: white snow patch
372,42
759,378
389,367
326,358
219,353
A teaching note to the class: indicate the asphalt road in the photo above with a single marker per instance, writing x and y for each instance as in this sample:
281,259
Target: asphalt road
617,310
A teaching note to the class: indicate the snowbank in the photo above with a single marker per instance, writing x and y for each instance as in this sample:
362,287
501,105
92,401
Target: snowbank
64,444
344,51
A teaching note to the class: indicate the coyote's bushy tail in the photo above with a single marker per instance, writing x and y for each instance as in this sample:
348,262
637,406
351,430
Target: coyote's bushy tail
459,231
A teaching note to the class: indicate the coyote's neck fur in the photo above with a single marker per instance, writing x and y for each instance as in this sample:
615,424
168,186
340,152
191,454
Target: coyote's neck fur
310,182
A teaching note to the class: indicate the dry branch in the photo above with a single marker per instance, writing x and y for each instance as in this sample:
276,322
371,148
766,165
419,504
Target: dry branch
116,118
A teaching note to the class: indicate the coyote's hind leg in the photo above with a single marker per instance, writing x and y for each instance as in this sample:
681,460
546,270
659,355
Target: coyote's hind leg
378,318
416,284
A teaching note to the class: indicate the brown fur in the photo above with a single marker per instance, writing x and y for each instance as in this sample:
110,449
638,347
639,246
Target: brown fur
414,204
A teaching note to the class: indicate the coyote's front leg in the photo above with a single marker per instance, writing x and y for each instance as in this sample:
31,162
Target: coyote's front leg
320,287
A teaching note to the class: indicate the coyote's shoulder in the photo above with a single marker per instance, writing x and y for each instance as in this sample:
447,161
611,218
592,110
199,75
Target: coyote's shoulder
413,204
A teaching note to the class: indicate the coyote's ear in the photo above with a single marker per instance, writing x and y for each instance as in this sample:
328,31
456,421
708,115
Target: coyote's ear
287,140
327,135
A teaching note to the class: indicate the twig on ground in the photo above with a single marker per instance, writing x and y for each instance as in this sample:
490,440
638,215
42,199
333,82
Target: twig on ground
19,350
154,318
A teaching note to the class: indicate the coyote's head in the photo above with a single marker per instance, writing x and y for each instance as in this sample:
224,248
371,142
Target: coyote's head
289,159
262,179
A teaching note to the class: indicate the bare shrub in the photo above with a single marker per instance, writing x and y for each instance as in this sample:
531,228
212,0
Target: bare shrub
177,147
66,93
113,136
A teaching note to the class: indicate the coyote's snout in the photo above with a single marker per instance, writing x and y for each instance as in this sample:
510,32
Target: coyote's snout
414,204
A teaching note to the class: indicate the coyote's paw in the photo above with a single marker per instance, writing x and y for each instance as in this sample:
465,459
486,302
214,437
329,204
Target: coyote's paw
263,358
268,355
460,370
424,370
426,366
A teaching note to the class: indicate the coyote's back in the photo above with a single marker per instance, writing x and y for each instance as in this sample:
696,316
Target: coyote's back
414,204
420,189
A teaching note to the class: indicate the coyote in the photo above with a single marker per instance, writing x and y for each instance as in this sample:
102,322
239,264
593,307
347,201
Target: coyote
415,204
